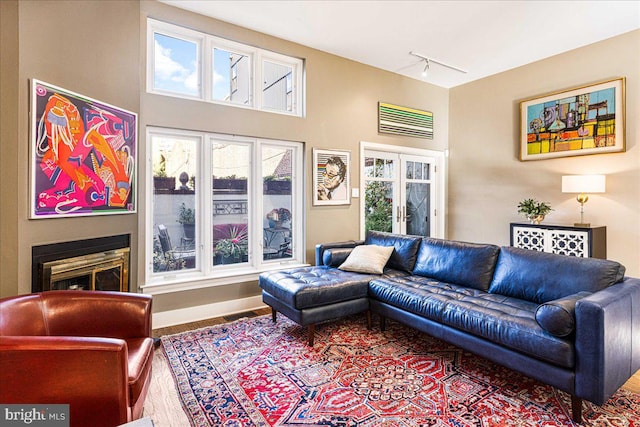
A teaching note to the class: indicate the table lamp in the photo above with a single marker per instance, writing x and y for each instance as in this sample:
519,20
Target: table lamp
583,184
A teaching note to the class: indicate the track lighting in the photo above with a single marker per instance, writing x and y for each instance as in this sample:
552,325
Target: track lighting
426,67
429,60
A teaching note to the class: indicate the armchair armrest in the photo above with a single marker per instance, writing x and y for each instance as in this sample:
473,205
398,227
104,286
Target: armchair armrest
89,374
98,314
321,247
607,340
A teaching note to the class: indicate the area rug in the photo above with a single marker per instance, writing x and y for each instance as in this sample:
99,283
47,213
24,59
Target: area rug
256,373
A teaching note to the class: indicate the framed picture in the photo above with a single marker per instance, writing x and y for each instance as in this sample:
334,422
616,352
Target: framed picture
331,183
585,120
83,155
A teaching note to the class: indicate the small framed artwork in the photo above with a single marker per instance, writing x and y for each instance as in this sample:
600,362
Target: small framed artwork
331,183
83,155
580,121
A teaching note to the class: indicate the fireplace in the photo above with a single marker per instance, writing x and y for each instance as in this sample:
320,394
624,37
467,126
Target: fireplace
92,264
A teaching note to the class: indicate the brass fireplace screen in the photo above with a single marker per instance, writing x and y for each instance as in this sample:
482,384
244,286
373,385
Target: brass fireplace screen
104,271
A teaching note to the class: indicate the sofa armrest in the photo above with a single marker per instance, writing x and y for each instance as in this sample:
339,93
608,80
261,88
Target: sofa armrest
97,314
89,374
607,340
321,247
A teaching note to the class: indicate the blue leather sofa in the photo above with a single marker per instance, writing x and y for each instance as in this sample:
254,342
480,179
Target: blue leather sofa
573,323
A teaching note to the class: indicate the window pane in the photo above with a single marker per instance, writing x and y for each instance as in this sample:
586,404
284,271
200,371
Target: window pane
277,202
174,201
378,214
230,166
277,86
175,65
231,77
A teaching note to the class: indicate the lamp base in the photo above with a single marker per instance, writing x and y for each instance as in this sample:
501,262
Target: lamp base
582,224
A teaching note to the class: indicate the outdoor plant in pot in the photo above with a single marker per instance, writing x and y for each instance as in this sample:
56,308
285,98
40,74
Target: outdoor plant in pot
276,217
187,217
233,248
534,210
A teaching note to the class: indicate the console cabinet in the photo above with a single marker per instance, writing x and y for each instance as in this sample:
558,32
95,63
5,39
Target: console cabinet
559,239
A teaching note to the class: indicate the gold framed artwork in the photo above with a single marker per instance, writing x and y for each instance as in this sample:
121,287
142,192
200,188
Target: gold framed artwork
581,121
331,183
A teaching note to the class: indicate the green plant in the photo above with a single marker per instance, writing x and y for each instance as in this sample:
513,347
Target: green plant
377,207
235,246
532,207
164,261
160,170
186,215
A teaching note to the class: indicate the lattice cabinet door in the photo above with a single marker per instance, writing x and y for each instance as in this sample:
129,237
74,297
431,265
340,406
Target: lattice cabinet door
568,242
558,239
529,238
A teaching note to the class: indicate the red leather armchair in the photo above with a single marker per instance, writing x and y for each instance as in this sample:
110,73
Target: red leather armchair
91,350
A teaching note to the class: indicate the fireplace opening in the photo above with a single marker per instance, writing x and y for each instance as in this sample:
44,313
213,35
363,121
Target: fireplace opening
93,264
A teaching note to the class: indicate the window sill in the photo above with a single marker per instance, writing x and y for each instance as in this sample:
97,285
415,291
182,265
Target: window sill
180,283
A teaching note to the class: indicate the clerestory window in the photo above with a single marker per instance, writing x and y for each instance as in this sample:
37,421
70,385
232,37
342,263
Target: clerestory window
191,64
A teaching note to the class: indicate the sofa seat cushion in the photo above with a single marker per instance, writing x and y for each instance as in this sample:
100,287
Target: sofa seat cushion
316,286
140,352
503,320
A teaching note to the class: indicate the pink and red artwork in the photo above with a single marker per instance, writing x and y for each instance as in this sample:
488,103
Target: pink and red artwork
83,155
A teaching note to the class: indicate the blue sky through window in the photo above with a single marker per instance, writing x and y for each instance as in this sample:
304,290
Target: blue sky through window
221,67
176,65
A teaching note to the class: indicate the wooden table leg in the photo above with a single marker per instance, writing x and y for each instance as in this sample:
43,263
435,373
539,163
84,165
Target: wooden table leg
576,409
312,330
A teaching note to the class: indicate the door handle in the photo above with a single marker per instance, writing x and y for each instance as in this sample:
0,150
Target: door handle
404,214
398,216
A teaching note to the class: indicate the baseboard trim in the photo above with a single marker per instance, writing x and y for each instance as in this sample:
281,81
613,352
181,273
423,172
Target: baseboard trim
207,311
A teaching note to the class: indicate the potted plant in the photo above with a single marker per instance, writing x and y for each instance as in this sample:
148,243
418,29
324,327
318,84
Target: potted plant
277,216
160,179
534,210
187,217
233,248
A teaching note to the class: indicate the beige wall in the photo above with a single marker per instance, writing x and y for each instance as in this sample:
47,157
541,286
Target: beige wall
91,48
486,179
9,84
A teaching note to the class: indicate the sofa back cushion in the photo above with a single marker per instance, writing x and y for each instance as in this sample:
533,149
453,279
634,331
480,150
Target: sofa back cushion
460,263
542,277
406,248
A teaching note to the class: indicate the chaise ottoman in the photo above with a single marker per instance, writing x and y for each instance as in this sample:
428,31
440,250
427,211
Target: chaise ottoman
310,295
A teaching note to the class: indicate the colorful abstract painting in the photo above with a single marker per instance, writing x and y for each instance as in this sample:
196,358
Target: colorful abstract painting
83,158
585,120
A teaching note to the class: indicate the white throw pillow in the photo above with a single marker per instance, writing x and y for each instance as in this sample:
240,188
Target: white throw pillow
367,259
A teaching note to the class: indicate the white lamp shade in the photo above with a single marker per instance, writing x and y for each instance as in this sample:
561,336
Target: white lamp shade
583,183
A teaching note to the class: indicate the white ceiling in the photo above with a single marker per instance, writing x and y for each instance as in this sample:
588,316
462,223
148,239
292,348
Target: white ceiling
482,37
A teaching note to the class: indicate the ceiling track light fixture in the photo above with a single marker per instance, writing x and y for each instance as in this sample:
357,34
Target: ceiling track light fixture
428,60
426,67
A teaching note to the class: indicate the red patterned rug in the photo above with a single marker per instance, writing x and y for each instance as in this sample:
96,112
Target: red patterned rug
257,373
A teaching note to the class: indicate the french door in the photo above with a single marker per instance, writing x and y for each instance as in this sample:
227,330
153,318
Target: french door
401,191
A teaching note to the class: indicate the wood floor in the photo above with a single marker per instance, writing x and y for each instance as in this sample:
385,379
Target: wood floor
632,385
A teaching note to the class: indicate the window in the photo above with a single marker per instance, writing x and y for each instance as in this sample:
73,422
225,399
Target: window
175,61
187,63
231,77
222,206
403,192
